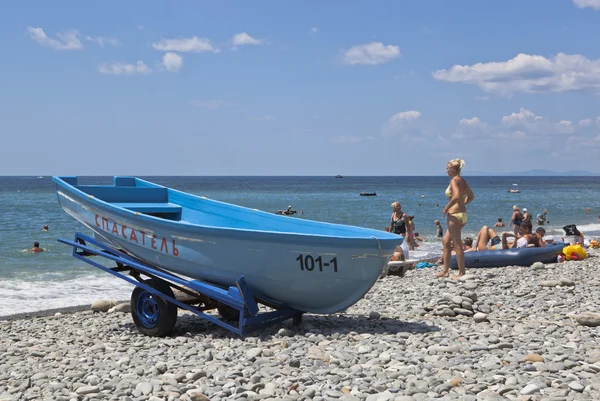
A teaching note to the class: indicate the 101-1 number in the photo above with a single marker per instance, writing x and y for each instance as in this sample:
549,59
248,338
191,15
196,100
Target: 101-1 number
308,262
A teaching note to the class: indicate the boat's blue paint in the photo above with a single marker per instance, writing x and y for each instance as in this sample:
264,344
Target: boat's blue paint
238,297
511,257
217,242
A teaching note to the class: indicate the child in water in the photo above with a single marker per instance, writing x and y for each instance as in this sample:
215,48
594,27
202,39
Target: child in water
440,231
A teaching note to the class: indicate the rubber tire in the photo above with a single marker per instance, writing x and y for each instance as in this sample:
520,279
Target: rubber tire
152,315
227,312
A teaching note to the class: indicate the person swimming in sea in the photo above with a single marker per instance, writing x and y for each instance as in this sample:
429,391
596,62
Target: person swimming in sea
36,248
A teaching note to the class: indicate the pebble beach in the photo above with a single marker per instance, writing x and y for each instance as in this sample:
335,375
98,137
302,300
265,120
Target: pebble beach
516,333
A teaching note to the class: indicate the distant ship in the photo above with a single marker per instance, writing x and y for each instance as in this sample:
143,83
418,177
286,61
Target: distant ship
368,194
339,176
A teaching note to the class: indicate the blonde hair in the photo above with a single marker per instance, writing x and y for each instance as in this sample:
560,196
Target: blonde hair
395,204
436,222
457,164
515,208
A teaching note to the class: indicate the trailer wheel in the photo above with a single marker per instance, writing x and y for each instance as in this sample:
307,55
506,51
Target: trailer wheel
227,312
152,315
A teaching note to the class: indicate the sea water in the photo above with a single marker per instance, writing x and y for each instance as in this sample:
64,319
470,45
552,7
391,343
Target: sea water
53,279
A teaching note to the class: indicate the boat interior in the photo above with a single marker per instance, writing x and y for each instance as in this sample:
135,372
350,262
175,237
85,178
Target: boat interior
125,194
154,200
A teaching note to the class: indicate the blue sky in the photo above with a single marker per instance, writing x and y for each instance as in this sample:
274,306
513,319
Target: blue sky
298,87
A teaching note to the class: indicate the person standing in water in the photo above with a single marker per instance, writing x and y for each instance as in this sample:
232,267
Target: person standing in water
459,195
440,230
399,220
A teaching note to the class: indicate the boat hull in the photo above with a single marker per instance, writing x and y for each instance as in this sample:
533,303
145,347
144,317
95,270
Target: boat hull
310,273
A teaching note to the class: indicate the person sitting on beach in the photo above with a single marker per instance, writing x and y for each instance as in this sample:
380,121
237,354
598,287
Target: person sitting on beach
524,240
499,223
467,247
398,254
36,248
541,232
468,244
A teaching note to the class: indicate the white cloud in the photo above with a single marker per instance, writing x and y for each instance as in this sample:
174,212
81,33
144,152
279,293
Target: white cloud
598,121
172,62
209,104
595,4
371,54
523,117
241,39
402,123
103,41
68,40
564,127
470,127
115,68
527,121
528,73
185,45
314,29
405,116
585,122
472,122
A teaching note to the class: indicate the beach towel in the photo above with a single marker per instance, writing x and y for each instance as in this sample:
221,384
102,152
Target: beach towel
422,265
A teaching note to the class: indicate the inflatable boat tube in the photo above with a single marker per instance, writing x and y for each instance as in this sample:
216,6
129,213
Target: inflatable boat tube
511,257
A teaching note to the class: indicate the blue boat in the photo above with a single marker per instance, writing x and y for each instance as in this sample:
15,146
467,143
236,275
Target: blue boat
511,257
306,265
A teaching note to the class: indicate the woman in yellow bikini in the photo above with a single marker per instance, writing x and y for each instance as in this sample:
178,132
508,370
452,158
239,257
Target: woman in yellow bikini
459,195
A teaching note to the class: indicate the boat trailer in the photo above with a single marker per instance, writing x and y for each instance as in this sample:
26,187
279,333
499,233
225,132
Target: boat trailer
154,304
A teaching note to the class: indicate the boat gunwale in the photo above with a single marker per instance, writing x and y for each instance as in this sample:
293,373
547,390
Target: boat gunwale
223,230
